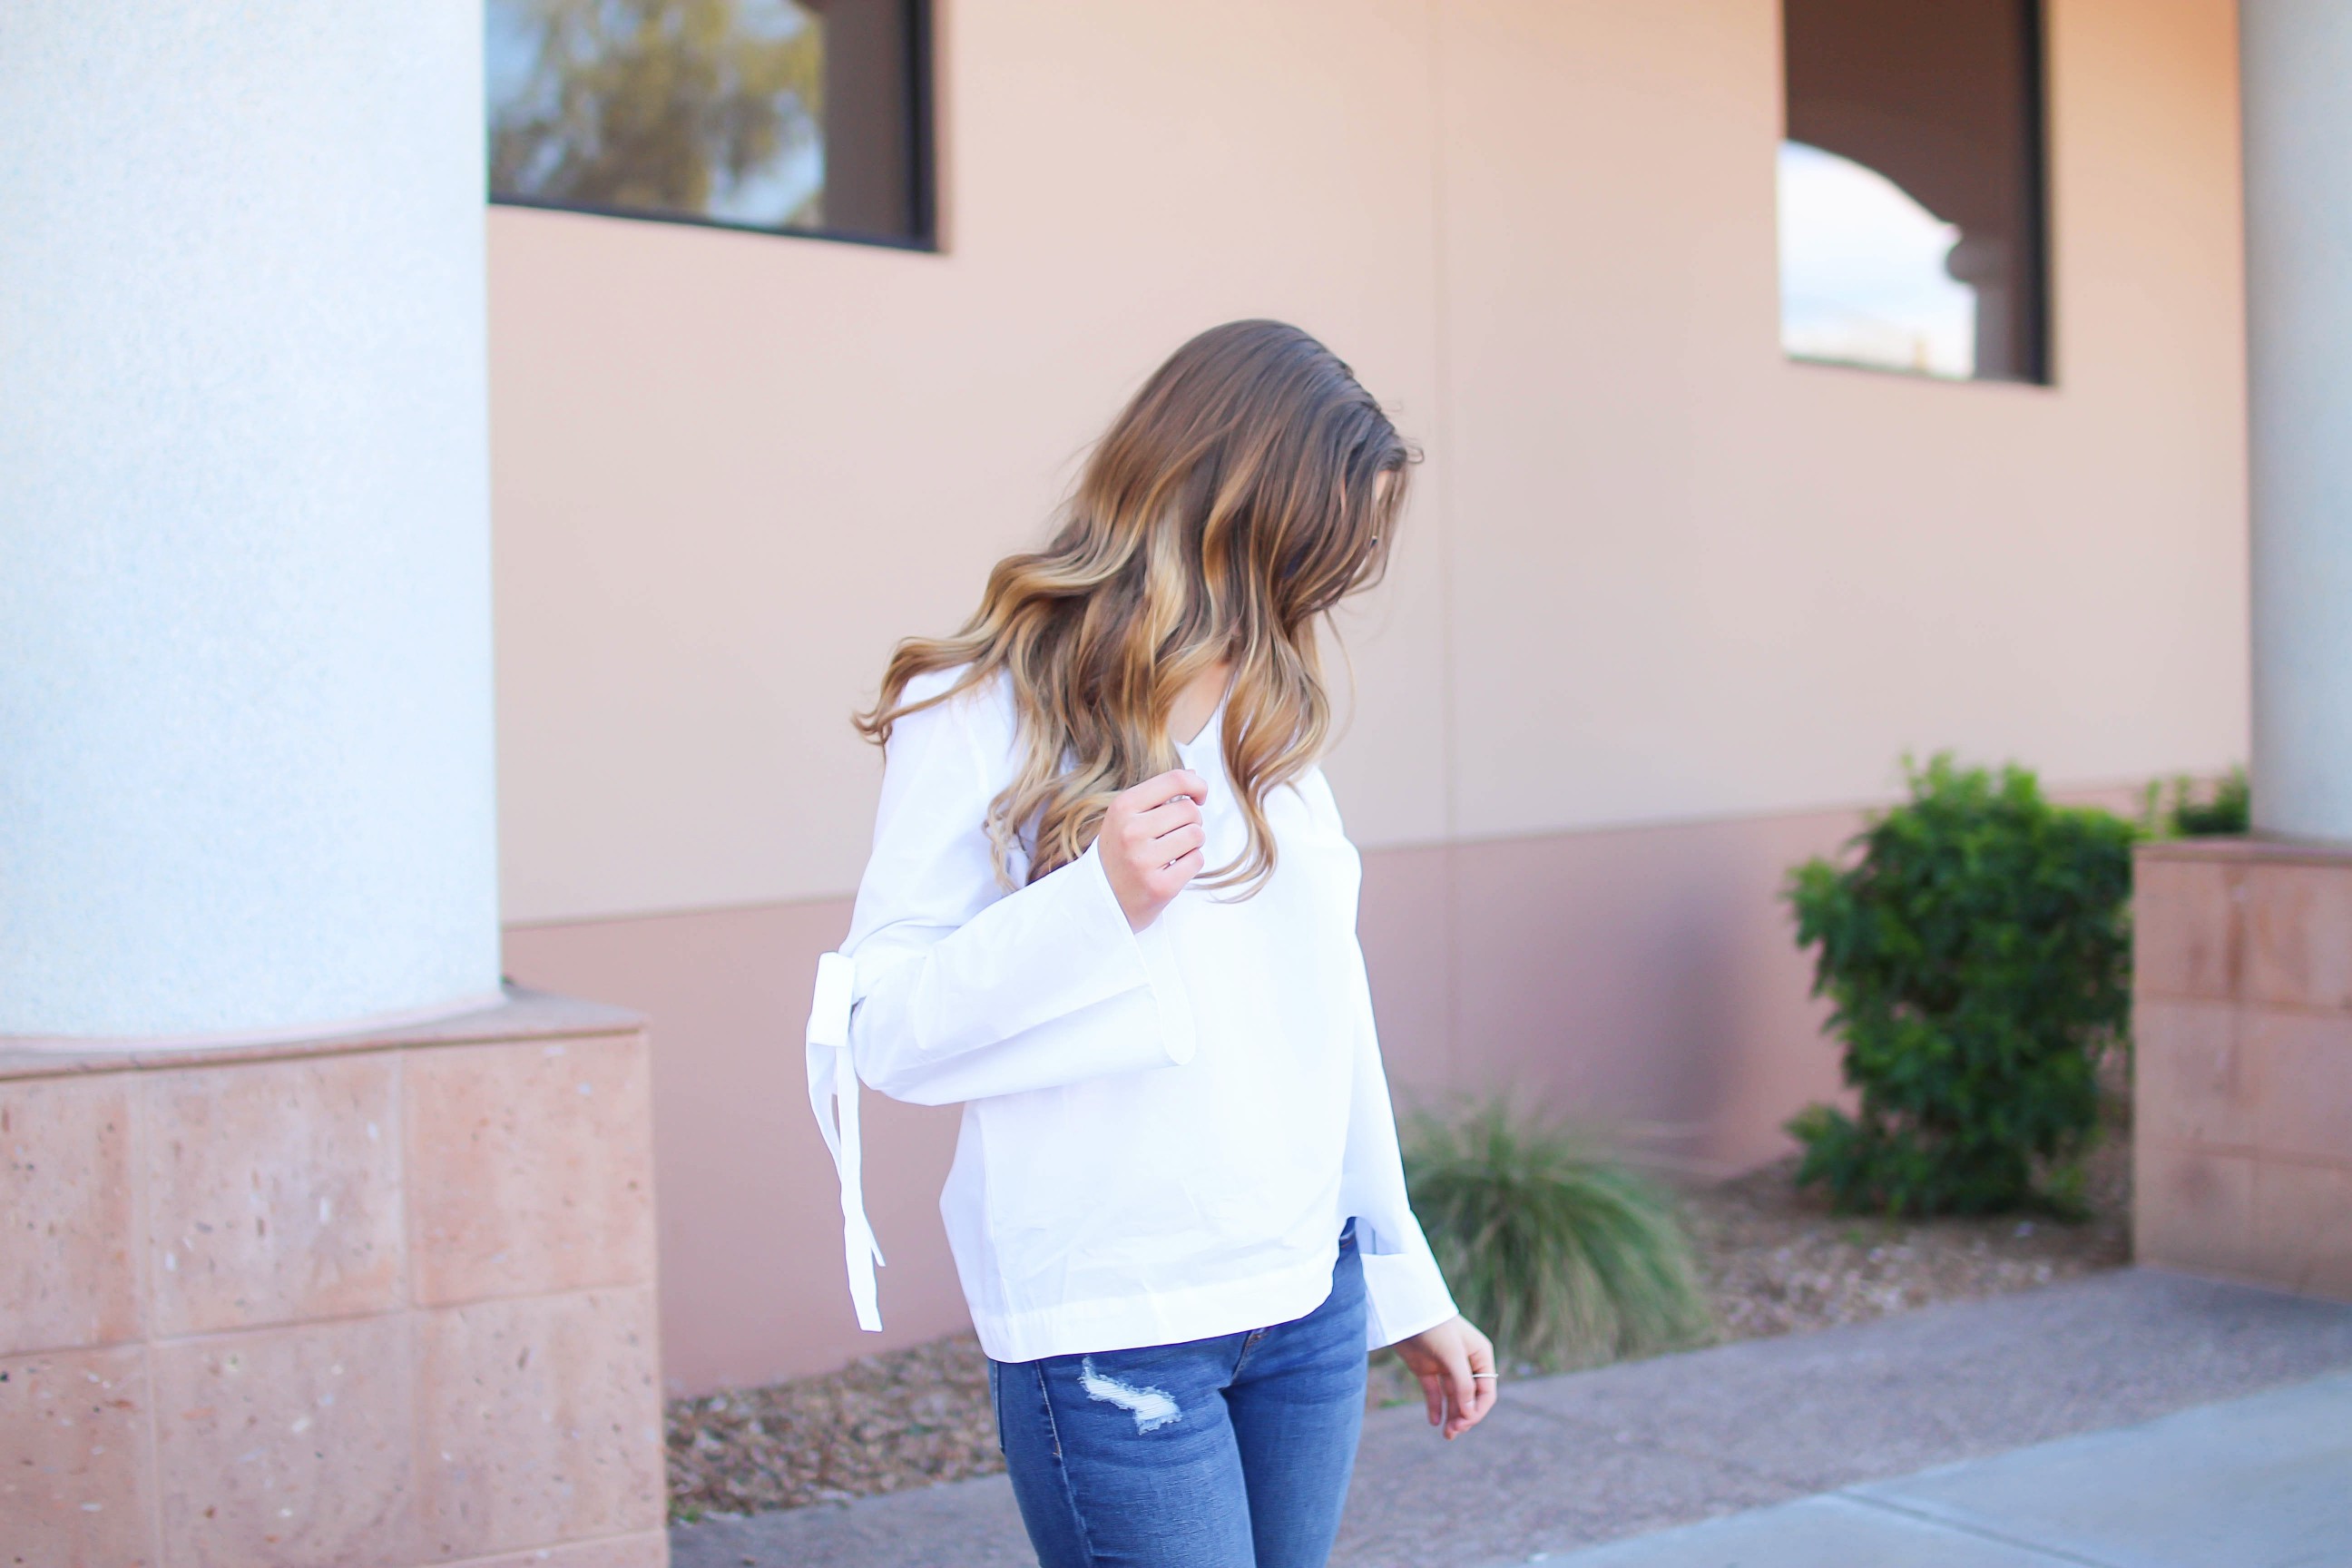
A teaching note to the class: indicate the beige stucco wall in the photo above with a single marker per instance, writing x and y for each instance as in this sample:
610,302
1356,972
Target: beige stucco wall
1655,573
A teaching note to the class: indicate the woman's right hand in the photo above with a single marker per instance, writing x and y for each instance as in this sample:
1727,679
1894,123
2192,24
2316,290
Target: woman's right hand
1152,840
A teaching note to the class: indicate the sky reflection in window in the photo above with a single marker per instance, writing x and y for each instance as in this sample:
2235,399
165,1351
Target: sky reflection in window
1863,279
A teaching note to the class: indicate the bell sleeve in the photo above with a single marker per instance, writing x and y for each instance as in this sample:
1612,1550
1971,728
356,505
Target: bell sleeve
963,989
952,988
1404,1291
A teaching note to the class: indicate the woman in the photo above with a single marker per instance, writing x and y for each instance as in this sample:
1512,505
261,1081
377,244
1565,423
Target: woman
1111,911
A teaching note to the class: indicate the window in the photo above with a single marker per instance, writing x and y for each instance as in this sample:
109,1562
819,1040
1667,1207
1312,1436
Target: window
795,116
1911,187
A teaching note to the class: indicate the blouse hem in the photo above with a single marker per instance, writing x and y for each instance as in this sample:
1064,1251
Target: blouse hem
1159,1316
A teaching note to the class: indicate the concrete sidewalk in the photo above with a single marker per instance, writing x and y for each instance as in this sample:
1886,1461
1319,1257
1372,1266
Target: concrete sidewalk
2260,1482
1570,1462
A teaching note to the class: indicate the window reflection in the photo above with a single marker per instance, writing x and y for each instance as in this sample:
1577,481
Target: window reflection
1863,277
800,115
1910,186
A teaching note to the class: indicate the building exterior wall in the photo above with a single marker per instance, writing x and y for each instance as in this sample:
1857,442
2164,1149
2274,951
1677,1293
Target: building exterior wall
1666,610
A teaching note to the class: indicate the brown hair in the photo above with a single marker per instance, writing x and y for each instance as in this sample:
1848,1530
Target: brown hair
1235,501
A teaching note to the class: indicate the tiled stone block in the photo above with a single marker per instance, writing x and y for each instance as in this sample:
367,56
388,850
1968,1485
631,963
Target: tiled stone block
68,1268
539,1420
2185,929
2304,1082
287,1447
273,1192
531,1168
2304,1220
2195,1083
2299,935
650,1549
2192,1209
237,1219
77,1487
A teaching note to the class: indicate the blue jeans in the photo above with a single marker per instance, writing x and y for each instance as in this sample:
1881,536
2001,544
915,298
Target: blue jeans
1232,1452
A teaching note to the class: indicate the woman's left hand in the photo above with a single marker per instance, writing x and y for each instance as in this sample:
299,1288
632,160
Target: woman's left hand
1455,1365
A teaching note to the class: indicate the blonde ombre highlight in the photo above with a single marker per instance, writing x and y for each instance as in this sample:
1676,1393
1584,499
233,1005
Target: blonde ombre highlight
1232,504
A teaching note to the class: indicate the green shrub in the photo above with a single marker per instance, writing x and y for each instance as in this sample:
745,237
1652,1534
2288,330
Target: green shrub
1564,1255
1977,955
2229,809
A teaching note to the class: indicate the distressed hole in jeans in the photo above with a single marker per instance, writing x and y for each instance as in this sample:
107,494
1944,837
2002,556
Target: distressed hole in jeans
1151,1407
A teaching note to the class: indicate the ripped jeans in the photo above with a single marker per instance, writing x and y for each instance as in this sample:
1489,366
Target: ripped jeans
1232,1452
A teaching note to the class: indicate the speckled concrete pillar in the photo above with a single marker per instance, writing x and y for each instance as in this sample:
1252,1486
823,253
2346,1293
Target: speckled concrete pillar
382,1300
246,778
2295,57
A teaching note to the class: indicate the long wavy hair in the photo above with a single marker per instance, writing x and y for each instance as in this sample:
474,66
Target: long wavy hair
1228,509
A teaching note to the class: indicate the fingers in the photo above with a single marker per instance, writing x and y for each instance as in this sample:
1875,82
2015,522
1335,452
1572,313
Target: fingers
1173,813
1164,833
1166,881
1183,841
1432,1393
1161,824
1461,1392
1455,1365
1152,842
1159,789
1483,1388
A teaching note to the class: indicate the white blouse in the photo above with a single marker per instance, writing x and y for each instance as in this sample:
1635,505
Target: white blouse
1163,1131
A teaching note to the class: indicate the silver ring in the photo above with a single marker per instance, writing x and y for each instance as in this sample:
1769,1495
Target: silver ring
1493,1374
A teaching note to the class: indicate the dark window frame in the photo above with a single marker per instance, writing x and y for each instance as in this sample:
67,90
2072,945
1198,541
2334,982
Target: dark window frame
922,170
2041,371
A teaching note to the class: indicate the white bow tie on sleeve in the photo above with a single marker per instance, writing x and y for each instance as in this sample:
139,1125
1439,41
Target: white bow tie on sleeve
833,1079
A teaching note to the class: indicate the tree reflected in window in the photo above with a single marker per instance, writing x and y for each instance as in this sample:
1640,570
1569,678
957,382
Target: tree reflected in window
793,115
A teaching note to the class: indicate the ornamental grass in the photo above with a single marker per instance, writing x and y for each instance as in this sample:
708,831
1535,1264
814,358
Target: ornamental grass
1566,1256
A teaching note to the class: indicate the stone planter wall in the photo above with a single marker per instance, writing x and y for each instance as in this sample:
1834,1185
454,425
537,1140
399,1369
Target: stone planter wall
378,1302
2242,1026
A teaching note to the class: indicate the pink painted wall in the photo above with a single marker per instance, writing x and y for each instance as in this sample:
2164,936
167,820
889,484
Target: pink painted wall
1655,573
1645,979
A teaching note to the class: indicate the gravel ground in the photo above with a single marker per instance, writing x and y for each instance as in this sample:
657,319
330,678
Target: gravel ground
1775,1262
882,1423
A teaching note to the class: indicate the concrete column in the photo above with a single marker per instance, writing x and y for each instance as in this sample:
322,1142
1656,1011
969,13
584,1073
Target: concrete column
2296,63
246,777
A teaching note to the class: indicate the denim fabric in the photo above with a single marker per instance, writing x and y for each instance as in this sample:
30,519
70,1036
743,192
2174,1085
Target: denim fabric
1232,1452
